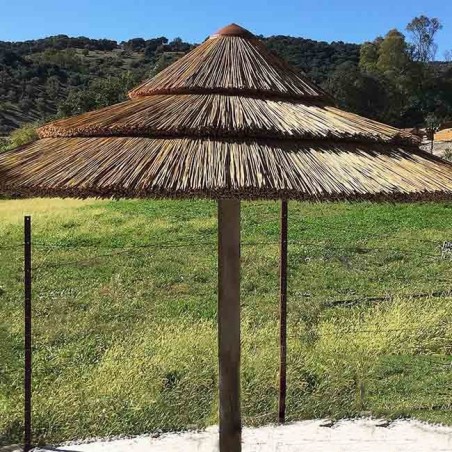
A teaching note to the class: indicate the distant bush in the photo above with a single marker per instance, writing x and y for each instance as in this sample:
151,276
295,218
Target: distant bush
23,135
448,154
4,142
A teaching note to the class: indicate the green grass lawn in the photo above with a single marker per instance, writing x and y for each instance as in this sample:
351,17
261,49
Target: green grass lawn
125,314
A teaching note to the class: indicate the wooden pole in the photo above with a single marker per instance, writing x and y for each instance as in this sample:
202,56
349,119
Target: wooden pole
229,324
283,315
27,329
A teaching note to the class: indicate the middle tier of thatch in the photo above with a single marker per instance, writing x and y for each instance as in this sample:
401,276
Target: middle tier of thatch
216,116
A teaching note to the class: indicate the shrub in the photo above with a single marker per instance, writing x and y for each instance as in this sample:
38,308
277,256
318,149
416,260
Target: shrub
23,135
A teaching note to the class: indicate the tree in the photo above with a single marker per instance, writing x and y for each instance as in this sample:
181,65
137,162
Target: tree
432,123
153,44
53,87
360,92
177,45
422,30
368,55
164,61
100,93
393,57
77,101
135,44
111,90
41,106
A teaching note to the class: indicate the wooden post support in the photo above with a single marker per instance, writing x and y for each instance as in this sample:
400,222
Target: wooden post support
27,329
283,315
229,324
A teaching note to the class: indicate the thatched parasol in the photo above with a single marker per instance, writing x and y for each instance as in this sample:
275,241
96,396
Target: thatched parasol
228,121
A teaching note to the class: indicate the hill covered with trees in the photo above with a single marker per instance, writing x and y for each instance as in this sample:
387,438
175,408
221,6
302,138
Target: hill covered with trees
391,79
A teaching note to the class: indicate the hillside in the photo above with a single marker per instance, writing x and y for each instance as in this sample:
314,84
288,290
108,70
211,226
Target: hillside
37,77
62,76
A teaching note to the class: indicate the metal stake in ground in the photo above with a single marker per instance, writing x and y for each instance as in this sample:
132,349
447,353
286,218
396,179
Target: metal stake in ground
283,315
229,324
27,342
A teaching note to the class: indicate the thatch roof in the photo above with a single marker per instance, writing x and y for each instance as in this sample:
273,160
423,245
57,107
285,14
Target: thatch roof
232,61
219,115
228,119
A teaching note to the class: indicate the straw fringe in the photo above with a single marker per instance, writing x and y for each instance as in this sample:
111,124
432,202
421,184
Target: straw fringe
180,167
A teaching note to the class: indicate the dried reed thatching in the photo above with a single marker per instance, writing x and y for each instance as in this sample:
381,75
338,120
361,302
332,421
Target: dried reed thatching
219,115
184,167
227,120
231,64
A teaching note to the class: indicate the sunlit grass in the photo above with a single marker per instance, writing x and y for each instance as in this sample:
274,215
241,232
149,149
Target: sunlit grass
125,316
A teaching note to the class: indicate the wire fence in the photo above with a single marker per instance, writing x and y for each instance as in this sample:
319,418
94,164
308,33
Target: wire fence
46,250
48,256
196,241
43,256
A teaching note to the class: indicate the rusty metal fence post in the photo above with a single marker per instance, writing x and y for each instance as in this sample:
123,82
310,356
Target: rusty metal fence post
283,315
27,329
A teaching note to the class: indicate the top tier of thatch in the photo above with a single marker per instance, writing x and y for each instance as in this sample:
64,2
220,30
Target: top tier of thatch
231,61
229,119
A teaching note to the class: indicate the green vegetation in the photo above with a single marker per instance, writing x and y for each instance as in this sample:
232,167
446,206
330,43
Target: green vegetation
397,80
59,76
23,135
448,154
125,331
393,79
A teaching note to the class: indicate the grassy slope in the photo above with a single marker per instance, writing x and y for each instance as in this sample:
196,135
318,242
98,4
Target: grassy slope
125,340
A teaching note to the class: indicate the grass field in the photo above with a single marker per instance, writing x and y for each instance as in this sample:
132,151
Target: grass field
125,314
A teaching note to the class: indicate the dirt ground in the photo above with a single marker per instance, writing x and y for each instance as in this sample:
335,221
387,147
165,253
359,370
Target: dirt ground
363,435
439,147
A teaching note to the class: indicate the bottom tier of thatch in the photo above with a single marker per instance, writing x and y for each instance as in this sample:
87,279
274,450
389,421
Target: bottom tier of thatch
182,167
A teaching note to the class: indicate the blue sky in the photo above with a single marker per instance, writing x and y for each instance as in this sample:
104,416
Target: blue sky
345,20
